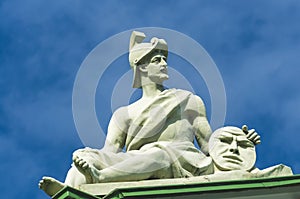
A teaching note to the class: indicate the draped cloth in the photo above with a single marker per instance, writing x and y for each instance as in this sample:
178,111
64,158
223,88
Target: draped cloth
162,116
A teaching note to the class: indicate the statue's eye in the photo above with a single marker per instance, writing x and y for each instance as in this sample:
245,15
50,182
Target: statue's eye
155,60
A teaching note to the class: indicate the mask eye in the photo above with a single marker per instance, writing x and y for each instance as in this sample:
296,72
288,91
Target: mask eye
246,144
226,140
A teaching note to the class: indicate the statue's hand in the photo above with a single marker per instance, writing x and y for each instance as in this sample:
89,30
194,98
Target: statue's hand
252,135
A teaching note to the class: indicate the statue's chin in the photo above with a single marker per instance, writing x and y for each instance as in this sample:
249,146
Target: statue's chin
159,79
163,78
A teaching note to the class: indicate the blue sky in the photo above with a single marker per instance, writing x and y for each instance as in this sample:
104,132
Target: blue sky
255,45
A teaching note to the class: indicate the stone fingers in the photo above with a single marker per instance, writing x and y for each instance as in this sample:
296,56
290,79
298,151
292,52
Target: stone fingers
253,136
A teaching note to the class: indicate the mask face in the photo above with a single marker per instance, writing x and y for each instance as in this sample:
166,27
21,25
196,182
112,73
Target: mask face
231,150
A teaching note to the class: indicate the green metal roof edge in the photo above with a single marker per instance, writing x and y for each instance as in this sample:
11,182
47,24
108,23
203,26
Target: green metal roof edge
204,187
69,192
69,195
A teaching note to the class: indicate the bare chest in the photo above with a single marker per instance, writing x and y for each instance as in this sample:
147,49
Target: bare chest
173,127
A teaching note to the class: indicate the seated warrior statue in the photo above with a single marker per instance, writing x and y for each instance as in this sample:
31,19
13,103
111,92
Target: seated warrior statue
156,132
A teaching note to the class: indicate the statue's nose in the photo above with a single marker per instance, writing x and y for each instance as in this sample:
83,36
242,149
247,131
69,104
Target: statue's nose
163,62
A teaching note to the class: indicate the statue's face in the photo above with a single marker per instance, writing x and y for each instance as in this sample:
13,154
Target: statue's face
231,150
156,68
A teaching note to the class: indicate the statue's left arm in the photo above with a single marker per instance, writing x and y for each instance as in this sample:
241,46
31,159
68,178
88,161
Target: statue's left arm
196,114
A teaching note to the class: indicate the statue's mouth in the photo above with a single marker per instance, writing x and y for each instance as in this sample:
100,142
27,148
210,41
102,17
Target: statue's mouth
164,70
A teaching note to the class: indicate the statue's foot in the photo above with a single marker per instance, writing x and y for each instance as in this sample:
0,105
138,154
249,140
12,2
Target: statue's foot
50,186
90,172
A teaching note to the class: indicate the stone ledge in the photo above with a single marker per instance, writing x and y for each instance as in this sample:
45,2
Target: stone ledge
283,187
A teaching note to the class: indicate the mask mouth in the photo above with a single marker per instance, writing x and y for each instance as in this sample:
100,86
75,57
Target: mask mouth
234,158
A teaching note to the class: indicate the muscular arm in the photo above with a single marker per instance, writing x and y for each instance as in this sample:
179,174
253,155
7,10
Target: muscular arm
117,131
196,114
202,133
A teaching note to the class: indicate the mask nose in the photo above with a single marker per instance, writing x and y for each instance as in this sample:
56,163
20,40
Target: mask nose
234,147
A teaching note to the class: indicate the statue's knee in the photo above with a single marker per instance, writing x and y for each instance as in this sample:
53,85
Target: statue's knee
81,152
161,157
77,152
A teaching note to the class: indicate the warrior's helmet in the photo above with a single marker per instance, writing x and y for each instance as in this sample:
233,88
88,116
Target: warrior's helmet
138,51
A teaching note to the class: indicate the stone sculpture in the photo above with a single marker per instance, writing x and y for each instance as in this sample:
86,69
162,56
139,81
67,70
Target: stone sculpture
157,133
233,153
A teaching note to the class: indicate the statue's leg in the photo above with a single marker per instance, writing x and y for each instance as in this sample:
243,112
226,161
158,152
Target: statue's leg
51,186
139,165
75,178
153,163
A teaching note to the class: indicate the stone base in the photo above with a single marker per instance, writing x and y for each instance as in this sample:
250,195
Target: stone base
287,187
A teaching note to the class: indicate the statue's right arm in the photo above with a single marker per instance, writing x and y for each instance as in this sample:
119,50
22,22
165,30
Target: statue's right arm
117,131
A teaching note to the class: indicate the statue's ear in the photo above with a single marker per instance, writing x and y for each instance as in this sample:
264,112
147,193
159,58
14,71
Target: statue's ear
143,68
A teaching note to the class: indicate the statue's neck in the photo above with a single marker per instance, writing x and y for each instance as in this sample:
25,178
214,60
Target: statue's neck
151,90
